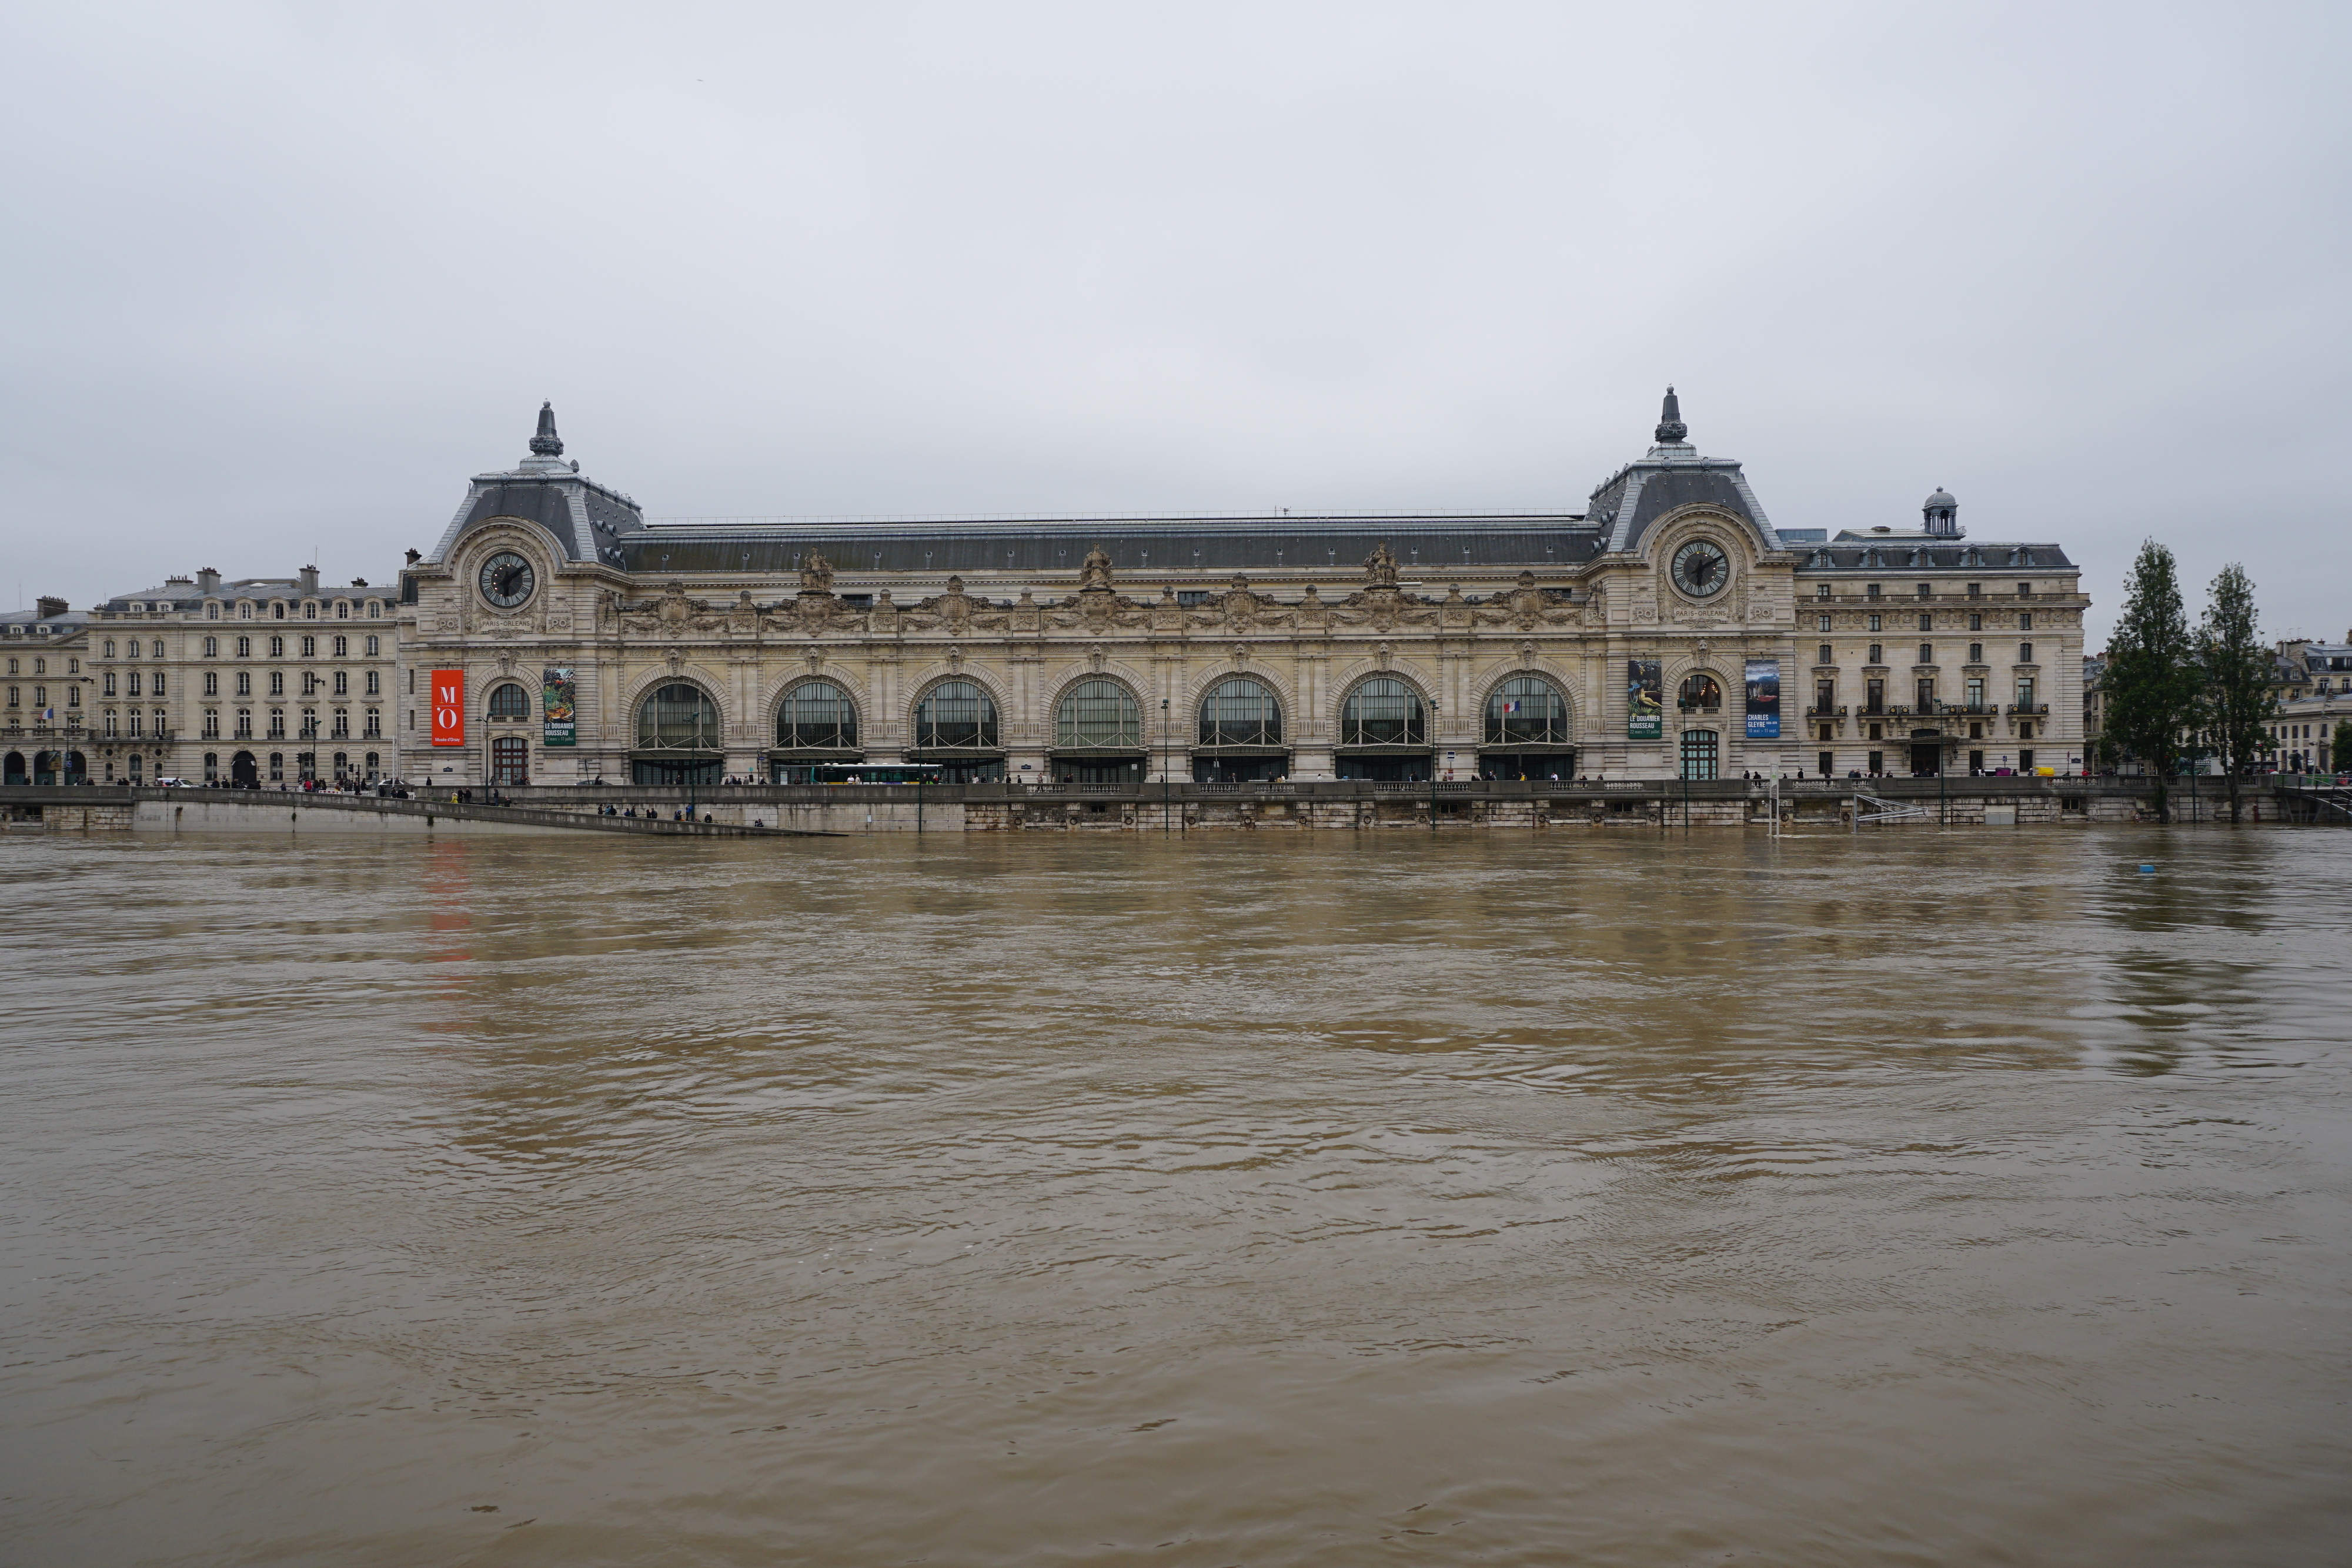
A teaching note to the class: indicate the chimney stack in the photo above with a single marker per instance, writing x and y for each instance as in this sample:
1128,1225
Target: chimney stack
45,606
310,581
208,582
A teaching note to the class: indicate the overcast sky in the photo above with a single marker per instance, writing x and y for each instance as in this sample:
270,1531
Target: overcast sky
278,278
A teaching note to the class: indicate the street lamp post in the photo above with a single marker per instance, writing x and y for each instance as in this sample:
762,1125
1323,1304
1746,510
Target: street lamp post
1164,788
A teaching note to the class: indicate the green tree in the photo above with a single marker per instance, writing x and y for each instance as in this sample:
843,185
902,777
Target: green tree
2152,674
2238,700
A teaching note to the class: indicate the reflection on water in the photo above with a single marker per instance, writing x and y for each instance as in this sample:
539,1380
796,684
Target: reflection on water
1926,1199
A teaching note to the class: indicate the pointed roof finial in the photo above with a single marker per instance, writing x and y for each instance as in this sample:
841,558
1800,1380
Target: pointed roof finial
1672,431
547,444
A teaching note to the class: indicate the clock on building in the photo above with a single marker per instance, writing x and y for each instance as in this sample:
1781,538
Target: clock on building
1701,568
507,580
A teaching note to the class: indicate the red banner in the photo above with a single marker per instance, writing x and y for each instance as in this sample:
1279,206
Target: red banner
448,708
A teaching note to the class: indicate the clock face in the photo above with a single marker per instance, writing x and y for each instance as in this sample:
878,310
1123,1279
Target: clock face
507,580
1701,568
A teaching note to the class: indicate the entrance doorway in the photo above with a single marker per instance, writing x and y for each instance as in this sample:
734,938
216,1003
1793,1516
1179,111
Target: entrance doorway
244,773
510,760
1926,758
1701,750
1098,770
1225,769
1528,764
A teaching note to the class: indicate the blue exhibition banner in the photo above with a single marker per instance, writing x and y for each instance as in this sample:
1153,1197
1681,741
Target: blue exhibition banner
1763,699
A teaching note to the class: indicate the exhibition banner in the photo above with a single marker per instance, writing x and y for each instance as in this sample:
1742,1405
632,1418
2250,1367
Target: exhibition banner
1645,700
448,708
558,724
1763,699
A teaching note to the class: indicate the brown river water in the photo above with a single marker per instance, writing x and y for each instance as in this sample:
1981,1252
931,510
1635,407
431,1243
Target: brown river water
1268,1199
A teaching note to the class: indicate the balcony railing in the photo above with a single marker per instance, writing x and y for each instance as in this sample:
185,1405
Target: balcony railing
2028,709
1825,712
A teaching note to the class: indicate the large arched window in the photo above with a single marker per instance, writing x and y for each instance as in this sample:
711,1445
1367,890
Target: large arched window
509,701
679,717
1240,712
955,714
1701,692
1527,710
1098,713
816,715
1383,710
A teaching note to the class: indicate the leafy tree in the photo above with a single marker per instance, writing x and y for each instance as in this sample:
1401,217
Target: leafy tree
2238,698
2152,674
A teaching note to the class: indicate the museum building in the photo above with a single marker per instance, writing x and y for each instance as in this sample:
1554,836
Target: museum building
553,635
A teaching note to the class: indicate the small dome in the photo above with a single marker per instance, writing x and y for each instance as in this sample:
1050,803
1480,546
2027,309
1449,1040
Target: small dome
1942,497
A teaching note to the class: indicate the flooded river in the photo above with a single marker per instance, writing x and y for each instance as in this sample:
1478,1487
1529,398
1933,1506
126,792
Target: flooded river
1266,1199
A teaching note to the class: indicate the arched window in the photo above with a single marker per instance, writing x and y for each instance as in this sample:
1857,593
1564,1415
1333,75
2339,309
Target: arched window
1098,713
509,701
816,715
1383,710
1527,710
1240,712
955,714
676,717
1700,693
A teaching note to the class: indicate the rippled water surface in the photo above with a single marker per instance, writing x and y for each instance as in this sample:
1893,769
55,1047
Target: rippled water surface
1266,1199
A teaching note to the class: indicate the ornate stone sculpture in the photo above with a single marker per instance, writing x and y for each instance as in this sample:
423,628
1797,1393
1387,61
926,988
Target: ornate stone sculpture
816,574
1094,573
1382,566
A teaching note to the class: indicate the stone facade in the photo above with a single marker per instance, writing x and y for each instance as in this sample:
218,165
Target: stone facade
255,681
1124,650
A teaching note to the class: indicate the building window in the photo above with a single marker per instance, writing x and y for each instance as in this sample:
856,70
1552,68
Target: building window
1824,651
110,649
277,766
278,723
310,610
73,696
159,684
212,647
1701,750
212,724
1874,697
1927,621
343,612
1876,650
2025,590
277,682
2025,653
676,717
1240,712
245,647
1870,591
1822,590
1527,710
133,713
343,724
2025,692
1976,689
163,724
107,683
2025,620
278,647
1927,653
1923,590
1823,623
1700,693
310,647
373,687
371,645
245,612
245,724
1824,695
343,682
1976,590
1876,624
342,647
1976,622
955,714
16,696
1975,653
509,702
375,723
212,612
1098,713
1828,764
245,683
816,715
1927,693
1383,710
375,608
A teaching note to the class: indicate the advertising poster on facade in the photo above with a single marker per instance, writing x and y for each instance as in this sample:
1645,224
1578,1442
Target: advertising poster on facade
559,719
1645,700
448,708
1763,699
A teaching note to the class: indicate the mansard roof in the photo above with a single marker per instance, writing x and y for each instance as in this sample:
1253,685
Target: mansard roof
585,519
1227,544
1911,551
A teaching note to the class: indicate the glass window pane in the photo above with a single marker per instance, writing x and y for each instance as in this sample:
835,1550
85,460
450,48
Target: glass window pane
1527,710
1240,712
1098,713
953,714
1382,712
816,713
678,716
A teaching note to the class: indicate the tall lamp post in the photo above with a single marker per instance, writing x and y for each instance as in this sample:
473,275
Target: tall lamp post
1164,790
1432,765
